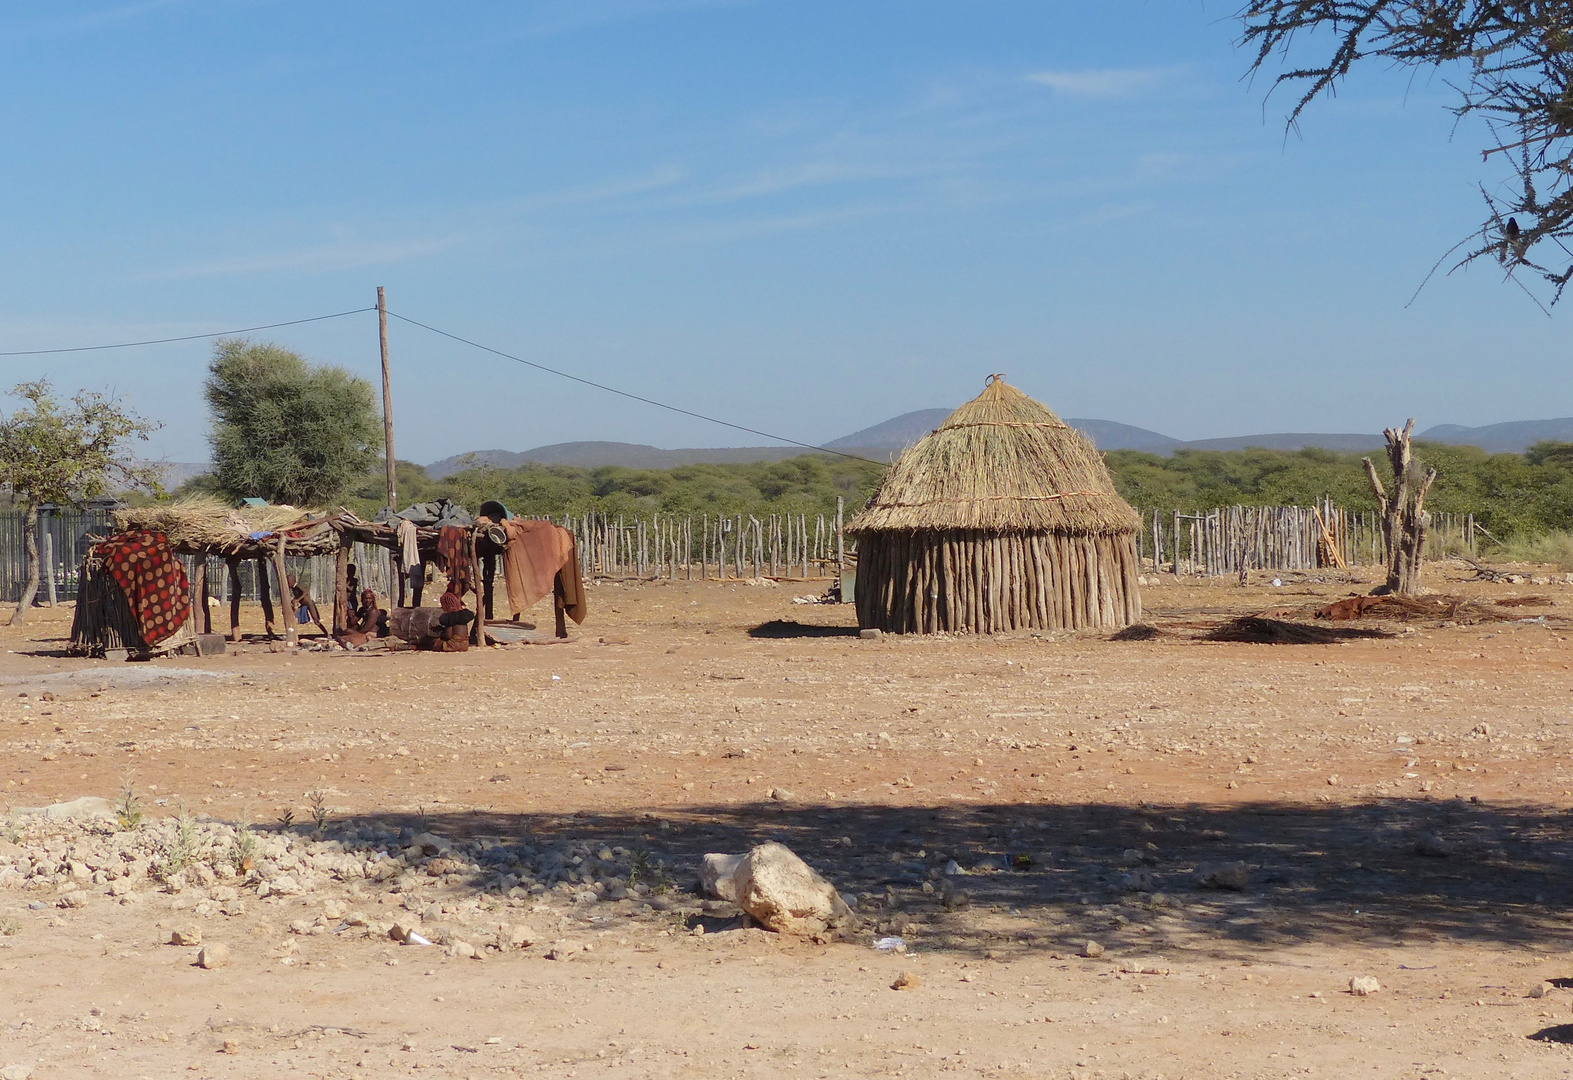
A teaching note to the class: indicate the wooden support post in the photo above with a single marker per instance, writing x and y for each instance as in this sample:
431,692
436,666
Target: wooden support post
387,402
199,594
265,593
479,637
49,563
285,605
342,600
234,597
1176,543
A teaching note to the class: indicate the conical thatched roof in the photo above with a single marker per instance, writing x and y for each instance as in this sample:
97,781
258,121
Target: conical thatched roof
1002,462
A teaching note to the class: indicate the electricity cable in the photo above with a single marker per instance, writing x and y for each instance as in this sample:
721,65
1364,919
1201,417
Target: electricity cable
187,337
627,394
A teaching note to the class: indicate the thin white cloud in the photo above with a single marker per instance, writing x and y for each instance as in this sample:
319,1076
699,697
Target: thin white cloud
1103,82
87,22
323,258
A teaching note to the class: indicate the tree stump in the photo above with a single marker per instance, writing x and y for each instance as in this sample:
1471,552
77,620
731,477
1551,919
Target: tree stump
1404,517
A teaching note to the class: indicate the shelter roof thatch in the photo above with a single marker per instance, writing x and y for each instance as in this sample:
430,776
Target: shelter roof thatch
1000,463
208,526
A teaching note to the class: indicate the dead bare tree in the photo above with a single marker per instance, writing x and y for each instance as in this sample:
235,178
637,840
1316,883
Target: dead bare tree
1514,65
1404,517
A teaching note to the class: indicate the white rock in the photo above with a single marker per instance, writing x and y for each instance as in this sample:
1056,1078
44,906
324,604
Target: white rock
282,885
717,875
186,935
17,1071
515,936
1363,986
1229,875
784,894
88,806
213,956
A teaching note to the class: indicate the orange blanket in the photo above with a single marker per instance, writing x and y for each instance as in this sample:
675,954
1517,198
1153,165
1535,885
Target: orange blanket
536,551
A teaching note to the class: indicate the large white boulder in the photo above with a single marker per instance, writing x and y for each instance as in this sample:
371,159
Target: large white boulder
783,893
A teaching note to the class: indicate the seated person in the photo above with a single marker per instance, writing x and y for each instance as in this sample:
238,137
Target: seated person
368,618
451,632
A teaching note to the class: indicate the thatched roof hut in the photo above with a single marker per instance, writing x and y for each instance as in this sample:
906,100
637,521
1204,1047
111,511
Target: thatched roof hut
1002,518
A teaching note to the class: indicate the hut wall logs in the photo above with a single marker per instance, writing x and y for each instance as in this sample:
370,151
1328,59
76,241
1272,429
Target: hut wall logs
965,580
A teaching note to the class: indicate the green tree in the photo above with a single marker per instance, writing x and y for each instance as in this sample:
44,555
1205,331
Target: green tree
52,453
285,430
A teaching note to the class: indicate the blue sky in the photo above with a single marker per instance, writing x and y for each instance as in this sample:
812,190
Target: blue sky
804,217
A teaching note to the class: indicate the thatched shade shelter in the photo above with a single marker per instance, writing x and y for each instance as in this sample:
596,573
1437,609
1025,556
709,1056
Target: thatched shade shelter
1002,518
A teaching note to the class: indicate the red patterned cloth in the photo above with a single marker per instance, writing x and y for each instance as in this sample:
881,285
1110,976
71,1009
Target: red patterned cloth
154,582
454,556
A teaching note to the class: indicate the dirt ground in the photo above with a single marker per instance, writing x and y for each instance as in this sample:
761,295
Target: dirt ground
1401,807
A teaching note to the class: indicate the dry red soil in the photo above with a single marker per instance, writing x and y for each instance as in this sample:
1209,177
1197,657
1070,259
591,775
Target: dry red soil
1401,806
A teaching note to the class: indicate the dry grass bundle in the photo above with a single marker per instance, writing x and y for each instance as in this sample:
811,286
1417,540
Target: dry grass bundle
1256,630
207,523
1139,632
1000,463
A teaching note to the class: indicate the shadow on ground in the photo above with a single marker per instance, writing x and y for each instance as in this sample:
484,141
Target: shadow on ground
1050,877
786,628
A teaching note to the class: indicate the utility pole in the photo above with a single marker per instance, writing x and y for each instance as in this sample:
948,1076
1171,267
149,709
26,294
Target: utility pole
387,400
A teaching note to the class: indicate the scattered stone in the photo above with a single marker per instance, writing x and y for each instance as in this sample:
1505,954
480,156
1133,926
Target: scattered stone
464,950
1541,990
1363,986
213,956
186,935
333,909
953,868
718,874
780,794
282,885
302,926
1229,875
563,951
1092,950
871,635
401,930
17,1071
231,1046
76,899
954,898
1137,881
1432,845
907,980
515,936
783,893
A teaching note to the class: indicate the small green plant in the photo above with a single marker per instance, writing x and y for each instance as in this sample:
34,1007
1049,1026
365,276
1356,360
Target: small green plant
639,867
319,810
180,850
128,811
287,818
244,853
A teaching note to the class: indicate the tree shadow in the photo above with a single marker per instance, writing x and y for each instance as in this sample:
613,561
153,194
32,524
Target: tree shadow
1047,876
784,628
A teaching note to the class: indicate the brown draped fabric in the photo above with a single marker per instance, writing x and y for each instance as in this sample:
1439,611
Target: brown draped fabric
539,558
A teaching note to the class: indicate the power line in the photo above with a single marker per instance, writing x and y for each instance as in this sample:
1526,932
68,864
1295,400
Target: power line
188,337
627,394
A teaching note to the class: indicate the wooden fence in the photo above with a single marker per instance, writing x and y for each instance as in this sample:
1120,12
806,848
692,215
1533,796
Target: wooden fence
709,546
1228,539
733,546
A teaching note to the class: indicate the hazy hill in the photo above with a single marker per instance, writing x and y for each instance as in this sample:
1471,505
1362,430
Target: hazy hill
883,441
1513,437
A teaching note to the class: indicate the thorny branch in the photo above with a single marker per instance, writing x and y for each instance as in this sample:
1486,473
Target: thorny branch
1514,60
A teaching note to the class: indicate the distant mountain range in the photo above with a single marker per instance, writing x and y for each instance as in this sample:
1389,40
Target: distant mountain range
885,440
